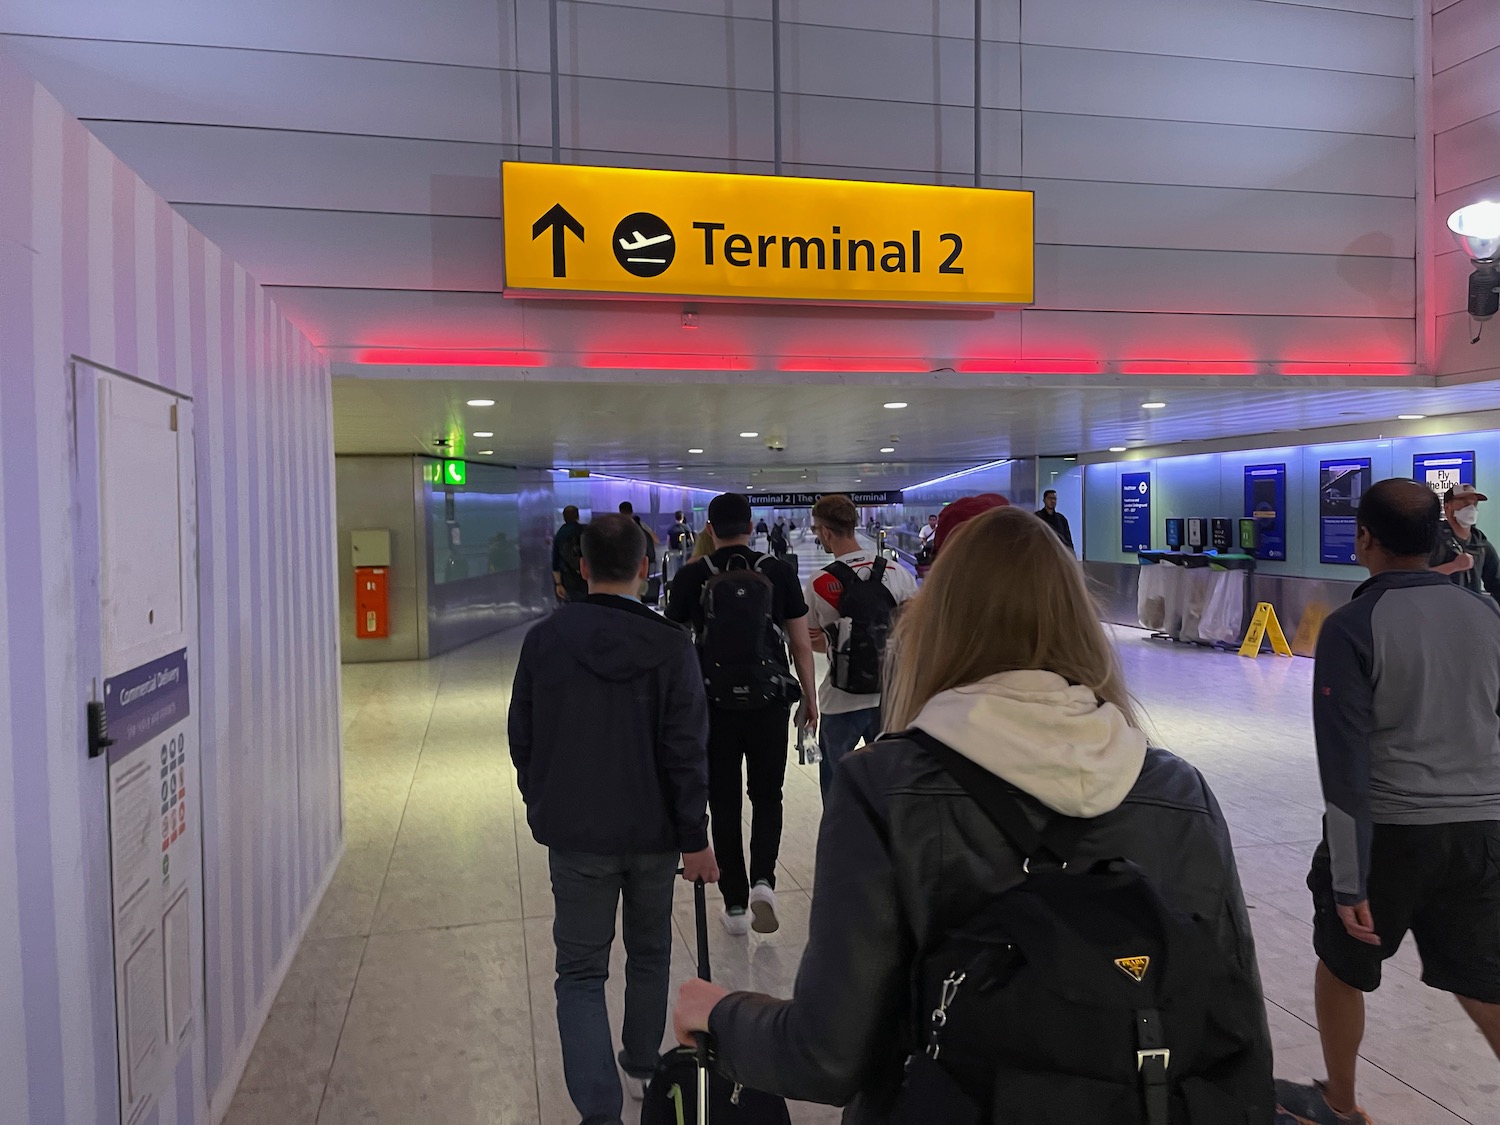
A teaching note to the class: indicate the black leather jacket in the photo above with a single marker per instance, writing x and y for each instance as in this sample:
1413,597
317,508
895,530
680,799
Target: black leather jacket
903,855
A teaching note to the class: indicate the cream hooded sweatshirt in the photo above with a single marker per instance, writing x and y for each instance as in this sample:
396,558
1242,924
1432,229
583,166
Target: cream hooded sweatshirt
1049,738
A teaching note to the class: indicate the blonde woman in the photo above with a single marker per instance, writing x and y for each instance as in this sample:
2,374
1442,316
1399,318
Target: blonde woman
704,545
999,666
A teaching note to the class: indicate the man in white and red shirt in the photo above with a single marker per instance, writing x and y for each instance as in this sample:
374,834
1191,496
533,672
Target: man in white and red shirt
846,718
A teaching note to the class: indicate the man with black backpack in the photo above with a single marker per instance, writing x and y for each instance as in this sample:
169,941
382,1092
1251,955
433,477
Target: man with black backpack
567,559
746,610
851,607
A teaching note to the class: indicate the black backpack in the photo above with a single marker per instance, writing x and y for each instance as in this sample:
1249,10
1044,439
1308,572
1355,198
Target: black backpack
866,607
1081,996
740,647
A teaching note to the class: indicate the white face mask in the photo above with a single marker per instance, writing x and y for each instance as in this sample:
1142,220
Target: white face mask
1467,516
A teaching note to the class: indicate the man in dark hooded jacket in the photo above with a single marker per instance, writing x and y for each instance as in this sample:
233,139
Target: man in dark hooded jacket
608,732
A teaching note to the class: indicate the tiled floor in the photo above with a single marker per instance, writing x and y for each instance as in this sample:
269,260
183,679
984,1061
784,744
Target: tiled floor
424,991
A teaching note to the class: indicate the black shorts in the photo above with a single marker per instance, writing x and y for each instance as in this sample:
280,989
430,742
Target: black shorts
1441,882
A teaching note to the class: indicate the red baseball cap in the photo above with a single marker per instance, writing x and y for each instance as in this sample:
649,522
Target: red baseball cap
961,511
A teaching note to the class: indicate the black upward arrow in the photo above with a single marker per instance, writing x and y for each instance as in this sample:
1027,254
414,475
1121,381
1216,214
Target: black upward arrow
559,222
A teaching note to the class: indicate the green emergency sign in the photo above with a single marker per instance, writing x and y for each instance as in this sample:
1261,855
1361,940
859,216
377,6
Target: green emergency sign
455,473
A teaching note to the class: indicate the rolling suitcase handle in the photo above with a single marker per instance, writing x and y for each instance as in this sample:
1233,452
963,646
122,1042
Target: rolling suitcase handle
700,1040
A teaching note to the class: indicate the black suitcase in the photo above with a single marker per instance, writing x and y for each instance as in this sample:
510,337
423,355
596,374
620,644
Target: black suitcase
686,1090
653,590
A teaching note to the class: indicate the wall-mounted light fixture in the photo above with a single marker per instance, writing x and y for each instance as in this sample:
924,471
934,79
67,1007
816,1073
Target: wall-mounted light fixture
1477,229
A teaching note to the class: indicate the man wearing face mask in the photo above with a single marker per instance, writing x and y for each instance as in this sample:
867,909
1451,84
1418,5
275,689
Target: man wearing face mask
1463,552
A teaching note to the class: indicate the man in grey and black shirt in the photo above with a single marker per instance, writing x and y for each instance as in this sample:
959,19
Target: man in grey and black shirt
1462,551
1406,709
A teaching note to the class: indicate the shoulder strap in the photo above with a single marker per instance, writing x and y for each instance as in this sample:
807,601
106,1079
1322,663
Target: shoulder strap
843,572
1059,838
877,569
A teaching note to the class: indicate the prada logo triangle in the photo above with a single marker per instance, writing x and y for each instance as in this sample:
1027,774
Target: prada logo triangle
1134,967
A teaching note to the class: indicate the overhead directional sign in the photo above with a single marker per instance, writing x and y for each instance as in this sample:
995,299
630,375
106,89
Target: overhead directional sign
647,233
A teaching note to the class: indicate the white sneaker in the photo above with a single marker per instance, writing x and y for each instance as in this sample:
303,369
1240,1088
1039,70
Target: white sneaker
763,907
636,1087
736,924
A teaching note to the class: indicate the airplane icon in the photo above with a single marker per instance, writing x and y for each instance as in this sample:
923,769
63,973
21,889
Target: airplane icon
641,242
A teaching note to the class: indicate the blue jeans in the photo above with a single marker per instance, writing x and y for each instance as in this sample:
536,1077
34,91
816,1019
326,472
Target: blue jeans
586,889
839,734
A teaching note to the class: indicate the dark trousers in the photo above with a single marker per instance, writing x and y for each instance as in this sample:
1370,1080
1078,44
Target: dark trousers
586,890
758,739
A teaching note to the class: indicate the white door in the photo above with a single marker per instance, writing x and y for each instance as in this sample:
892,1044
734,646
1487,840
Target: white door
148,635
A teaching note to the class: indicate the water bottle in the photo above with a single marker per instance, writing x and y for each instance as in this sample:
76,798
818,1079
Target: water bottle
808,751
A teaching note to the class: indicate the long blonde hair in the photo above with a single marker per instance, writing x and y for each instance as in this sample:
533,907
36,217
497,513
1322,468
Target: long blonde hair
1004,595
703,545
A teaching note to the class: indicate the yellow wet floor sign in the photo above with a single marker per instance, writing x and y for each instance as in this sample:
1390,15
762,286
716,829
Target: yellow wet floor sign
1262,625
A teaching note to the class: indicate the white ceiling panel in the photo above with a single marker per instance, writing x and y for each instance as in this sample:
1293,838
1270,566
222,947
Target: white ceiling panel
325,171
360,249
1397,9
1451,279
403,318
1247,30
1191,281
1066,147
1201,338
880,65
1463,30
1001,19
771,330
1098,213
464,32
897,135
648,117
200,85
1467,91
1467,154
1116,84
1459,354
699,50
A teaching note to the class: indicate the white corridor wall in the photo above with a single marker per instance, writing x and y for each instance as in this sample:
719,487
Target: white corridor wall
93,263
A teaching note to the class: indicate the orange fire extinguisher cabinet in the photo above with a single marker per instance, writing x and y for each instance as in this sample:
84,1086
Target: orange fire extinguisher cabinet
372,616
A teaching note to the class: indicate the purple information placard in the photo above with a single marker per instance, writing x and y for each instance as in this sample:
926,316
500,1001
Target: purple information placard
143,702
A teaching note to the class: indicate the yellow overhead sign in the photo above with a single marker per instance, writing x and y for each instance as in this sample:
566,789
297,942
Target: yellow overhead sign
572,229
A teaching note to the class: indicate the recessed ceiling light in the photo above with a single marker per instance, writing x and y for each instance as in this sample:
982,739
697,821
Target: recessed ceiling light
887,449
749,433
484,433
859,480
895,406
481,402
1153,405
679,468
1117,449
695,451
1411,417
1070,458
486,453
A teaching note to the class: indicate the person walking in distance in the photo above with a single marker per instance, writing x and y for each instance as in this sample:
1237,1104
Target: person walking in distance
1405,685
628,509
746,610
567,559
851,607
1462,551
1054,519
608,732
